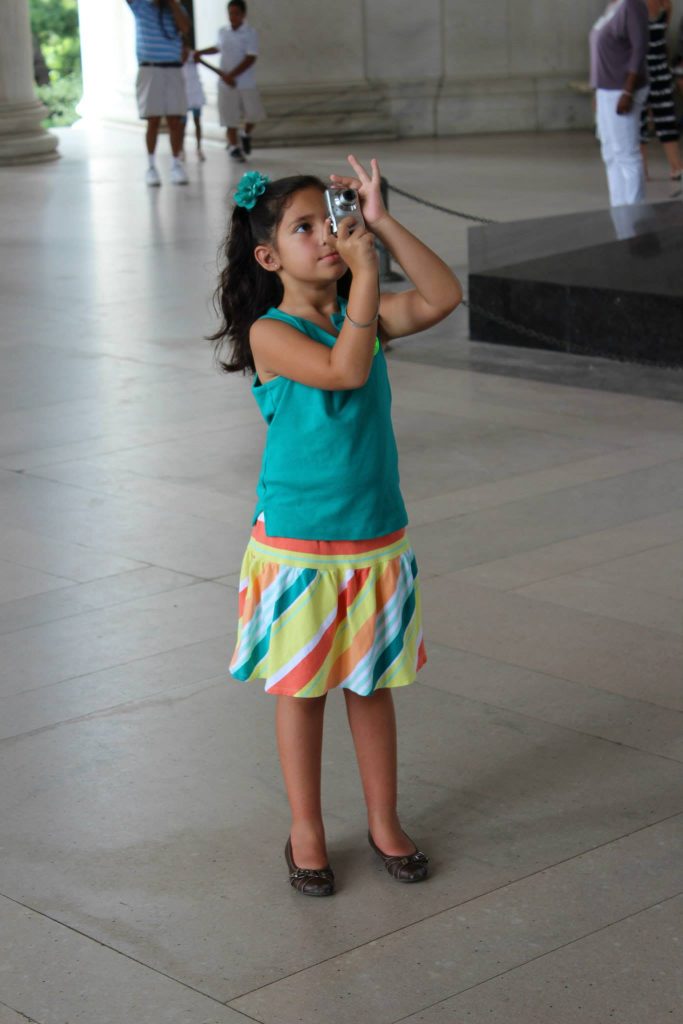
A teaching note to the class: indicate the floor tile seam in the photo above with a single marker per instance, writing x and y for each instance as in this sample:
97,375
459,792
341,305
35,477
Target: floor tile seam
569,538
550,675
44,572
459,906
123,357
629,388
547,547
486,506
20,1013
75,414
543,955
553,603
117,952
557,725
581,392
474,416
194,581
126,497
110,668
540,601
115,604
160,697
113,451
582,571
614,558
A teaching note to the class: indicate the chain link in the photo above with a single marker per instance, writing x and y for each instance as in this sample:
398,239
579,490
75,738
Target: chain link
558,345
528,332
435,206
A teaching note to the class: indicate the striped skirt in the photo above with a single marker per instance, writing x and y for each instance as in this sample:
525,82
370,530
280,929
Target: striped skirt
314,615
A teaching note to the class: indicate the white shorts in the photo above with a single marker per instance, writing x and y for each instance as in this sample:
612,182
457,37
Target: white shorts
239,106
161,91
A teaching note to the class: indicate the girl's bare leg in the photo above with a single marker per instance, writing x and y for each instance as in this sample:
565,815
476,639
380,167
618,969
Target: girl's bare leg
373,727
299,728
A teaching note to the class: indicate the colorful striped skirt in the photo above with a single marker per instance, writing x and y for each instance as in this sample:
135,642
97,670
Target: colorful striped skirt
314,615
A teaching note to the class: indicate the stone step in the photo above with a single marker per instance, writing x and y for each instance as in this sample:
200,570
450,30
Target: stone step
325,113
328,128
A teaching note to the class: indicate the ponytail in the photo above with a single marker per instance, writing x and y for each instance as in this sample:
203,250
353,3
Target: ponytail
245,292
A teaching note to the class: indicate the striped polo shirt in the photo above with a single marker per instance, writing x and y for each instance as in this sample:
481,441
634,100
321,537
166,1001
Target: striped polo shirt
157,39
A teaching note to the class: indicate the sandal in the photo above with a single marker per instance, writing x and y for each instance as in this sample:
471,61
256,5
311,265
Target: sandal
411,867
309,881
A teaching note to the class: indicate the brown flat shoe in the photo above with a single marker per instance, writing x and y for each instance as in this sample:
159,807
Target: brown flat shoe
410,867
309,881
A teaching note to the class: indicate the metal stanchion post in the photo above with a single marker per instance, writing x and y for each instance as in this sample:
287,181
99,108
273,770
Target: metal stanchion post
385,271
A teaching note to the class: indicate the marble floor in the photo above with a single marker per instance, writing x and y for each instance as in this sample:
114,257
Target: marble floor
142,812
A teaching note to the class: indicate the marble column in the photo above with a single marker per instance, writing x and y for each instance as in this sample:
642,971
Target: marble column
22,139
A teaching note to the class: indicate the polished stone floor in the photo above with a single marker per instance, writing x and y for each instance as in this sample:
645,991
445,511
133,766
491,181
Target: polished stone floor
142,816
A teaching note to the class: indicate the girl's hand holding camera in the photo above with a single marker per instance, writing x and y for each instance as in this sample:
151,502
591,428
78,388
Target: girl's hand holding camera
368,187
355,244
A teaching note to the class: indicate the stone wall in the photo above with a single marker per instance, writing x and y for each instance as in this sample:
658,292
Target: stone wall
385,67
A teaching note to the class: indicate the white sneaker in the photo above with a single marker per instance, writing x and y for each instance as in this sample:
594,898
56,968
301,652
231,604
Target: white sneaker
200,155
152,177
178,175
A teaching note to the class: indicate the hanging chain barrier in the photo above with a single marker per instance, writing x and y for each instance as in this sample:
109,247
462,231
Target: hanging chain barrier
435,206
545,340
387,274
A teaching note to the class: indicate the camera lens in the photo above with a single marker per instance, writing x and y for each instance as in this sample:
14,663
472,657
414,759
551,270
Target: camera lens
348,197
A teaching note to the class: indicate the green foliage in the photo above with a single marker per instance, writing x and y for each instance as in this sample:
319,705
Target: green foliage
61,97
55,23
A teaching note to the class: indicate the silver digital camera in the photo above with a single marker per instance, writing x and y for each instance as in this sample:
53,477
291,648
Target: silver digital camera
343,202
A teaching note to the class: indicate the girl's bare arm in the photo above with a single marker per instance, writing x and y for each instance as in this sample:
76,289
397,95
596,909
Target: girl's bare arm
436,291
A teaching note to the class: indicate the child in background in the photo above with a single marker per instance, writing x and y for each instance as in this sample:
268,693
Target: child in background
196,98
239,101
329,596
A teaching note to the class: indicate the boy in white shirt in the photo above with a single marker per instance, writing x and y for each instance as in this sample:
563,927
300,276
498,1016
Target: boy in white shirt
239,102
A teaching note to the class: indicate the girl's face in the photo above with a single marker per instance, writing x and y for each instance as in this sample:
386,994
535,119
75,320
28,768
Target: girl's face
301,243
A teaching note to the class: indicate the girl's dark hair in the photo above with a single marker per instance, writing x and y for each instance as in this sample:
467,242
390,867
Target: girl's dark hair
239,3
245,290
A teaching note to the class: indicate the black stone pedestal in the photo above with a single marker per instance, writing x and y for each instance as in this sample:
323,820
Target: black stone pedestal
606,283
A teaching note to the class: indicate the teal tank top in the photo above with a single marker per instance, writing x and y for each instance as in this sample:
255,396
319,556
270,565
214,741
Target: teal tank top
330,465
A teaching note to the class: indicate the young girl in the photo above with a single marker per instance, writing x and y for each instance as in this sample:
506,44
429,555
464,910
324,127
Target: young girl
329,595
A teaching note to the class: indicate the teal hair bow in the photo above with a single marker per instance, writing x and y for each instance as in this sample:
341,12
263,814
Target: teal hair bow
251,186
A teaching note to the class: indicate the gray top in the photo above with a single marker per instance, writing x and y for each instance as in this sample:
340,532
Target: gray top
618,44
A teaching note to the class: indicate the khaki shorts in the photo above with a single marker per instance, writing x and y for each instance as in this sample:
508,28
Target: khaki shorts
239,106
161,91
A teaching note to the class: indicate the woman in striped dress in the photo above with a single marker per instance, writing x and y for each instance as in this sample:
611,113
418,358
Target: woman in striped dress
329,596
660,101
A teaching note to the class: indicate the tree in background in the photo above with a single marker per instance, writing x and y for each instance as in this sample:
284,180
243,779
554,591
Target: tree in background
54,24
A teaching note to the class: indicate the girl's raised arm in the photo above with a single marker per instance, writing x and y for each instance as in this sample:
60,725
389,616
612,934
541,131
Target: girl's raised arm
436,291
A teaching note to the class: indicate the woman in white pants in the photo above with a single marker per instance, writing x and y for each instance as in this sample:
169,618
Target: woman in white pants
618,43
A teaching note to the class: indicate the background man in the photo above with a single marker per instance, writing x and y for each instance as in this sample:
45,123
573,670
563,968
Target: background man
160,87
